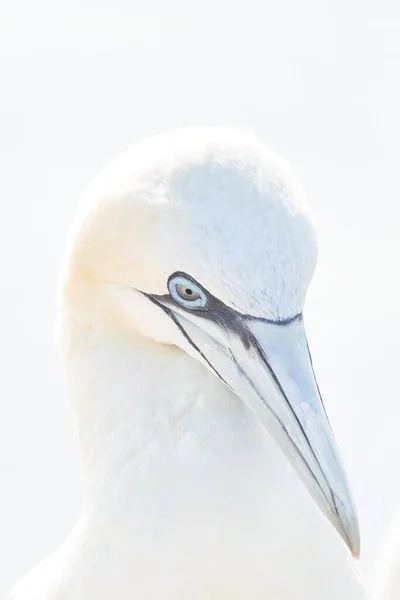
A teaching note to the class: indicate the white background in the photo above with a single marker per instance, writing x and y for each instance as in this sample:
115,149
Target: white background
318,80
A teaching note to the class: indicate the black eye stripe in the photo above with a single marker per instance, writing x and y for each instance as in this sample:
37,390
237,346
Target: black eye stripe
216,310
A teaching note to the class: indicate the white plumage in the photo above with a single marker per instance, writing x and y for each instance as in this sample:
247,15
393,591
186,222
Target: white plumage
209,464
388,572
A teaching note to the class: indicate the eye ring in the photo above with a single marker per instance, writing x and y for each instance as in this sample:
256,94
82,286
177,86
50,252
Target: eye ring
186,292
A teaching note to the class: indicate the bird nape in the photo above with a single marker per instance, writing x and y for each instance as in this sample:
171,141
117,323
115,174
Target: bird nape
210,467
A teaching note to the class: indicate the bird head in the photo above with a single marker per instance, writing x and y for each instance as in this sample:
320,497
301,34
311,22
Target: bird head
201,239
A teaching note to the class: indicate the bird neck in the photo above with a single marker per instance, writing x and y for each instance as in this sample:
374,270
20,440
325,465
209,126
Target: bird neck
129,397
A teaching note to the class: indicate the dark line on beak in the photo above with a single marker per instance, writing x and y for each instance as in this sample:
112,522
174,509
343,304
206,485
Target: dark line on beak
281,390
191,342
185,335
329,423
316,383
297,450
280,423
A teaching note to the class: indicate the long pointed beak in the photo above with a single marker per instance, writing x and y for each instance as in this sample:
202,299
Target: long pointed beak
268,365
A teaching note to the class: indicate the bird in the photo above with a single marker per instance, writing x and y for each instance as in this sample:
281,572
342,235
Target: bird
387,576
210,467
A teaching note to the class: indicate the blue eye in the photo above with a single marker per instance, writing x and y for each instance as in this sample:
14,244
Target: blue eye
186,292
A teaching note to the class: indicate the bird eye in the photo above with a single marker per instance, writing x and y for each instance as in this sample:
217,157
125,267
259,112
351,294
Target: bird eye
186,293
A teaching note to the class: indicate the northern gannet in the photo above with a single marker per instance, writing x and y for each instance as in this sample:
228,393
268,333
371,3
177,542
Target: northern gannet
211,471
387,582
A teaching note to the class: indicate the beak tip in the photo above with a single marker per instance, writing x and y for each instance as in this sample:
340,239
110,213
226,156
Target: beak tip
355,548
351,536
356,554
345,520
354,544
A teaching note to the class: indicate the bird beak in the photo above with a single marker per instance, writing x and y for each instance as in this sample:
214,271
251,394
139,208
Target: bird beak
268,365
